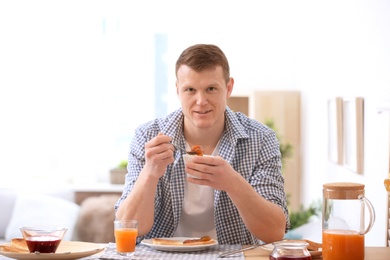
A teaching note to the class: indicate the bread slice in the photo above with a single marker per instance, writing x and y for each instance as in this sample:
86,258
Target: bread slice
9,248
168,242
18,245
198,243
313,246
205,240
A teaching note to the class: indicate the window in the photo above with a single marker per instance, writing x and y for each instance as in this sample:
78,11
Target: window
75,83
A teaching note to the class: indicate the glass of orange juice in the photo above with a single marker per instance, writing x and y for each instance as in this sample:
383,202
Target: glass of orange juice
126,232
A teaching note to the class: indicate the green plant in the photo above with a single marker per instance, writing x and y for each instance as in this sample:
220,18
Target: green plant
122,164
286,149
302,216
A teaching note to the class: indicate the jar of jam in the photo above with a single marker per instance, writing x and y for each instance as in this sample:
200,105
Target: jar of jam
289,250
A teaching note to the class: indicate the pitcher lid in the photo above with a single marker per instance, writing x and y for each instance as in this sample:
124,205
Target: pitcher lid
343,190
344,186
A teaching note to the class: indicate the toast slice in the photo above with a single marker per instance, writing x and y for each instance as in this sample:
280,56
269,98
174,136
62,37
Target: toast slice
18,245
205,240
168,242
313,246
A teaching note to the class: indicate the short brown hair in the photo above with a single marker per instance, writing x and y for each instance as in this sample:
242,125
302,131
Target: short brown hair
204,56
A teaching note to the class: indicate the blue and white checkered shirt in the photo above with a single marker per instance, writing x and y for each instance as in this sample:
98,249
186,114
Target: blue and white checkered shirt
249,146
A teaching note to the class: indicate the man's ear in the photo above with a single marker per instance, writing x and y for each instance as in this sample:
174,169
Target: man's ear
229,86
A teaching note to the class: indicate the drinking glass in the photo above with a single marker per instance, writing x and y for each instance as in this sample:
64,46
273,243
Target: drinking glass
126,232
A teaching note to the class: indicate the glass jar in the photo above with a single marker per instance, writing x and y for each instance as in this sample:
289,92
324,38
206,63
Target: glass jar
287,250
343,221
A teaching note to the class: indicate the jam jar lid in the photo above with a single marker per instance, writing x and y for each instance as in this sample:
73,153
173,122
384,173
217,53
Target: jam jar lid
291,244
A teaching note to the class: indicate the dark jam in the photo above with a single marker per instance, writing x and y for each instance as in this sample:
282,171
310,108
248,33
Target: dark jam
44,244
290,258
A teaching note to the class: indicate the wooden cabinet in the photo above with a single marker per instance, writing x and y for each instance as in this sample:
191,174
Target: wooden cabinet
284,108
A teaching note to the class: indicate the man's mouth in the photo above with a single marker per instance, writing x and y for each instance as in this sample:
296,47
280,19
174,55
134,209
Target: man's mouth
203,112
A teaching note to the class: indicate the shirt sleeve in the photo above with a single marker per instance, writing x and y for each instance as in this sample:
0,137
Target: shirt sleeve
267,178
136,160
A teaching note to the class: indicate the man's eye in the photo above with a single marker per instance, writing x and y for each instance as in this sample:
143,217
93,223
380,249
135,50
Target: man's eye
212,89
190,90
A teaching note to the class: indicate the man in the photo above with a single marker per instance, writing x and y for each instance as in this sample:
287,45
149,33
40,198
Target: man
238,194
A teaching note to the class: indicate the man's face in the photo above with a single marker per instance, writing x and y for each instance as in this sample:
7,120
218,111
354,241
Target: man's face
203,96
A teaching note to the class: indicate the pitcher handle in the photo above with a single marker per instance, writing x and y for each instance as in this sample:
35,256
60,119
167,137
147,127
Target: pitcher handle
372,213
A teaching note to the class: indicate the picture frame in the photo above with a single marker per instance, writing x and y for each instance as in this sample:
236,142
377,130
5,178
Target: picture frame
335,130
353,134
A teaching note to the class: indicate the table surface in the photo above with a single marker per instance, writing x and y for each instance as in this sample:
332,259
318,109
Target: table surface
371,253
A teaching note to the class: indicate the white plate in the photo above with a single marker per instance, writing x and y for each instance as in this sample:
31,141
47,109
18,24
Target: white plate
67,250
270,247
177,248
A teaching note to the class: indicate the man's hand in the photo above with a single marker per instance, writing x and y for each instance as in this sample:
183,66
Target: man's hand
213,171
158,155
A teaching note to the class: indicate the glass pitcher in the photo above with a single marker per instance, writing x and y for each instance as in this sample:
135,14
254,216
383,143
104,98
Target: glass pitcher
343,221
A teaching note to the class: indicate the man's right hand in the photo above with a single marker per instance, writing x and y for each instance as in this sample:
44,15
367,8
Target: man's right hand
158,155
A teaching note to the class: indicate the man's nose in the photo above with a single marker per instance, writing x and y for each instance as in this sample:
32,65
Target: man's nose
201,99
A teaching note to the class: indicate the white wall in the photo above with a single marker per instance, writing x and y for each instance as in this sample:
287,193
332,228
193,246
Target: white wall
347,54
322,48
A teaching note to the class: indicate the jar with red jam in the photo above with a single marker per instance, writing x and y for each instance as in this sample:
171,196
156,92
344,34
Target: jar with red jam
290,250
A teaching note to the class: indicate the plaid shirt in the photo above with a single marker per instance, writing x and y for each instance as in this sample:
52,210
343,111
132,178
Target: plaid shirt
249,146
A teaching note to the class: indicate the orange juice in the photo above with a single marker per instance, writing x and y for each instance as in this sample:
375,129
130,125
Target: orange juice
125,239
342,245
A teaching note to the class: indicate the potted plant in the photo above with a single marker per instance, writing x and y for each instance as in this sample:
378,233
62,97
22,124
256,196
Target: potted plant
118,174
